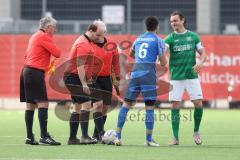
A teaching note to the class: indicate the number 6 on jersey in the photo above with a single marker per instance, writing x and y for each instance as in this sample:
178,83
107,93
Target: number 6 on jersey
143,50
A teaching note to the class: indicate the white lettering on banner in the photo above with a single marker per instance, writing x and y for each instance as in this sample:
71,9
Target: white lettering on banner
224,78
231,63
224,61
212,78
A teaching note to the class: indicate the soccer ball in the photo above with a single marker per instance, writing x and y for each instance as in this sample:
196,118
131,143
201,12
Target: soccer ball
109,137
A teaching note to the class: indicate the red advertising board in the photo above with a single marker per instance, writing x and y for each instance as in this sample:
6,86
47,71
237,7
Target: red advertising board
220,77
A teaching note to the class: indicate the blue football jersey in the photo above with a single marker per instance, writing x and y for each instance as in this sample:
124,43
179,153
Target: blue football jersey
147,47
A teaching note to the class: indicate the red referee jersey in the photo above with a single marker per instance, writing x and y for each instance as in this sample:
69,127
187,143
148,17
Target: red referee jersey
39,50
81,49
109,56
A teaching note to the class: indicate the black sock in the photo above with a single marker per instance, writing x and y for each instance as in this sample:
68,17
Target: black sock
43,119
98,120
29,114
104,120
95,133
74,123
84,121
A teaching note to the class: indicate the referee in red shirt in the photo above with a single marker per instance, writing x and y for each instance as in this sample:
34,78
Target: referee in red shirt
32,81
78,80
106,51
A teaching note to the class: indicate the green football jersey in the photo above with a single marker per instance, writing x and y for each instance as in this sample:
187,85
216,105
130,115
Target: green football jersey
182,47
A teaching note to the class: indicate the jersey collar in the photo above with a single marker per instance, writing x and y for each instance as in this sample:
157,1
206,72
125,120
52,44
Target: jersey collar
42,30
102,44
89,40
181,33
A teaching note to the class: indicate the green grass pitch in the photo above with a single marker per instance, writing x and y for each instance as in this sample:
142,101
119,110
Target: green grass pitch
220,131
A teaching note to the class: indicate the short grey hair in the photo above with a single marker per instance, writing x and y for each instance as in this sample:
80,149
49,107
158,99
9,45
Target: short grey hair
46,21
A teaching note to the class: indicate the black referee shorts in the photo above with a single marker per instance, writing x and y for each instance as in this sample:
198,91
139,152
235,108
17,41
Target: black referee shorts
74,85
103,84
32,86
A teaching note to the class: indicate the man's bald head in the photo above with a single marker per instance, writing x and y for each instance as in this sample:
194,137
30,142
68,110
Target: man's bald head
100,25
97,30
97,25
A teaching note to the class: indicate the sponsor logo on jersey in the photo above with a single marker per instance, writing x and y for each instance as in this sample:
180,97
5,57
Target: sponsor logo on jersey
182,48
176,40
189,38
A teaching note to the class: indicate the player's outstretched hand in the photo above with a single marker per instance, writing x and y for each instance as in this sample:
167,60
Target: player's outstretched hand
197,68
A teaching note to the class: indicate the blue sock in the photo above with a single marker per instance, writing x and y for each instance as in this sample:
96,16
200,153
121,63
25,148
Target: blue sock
149,137
121,119
149,122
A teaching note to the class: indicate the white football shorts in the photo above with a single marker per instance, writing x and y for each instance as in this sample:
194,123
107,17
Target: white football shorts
192,86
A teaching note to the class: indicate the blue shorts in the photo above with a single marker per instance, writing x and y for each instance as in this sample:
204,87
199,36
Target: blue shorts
142,82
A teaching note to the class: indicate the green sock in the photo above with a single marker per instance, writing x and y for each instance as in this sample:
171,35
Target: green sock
175,122
198,111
